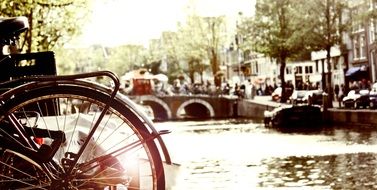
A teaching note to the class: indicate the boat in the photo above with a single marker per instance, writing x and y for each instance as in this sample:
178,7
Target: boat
294,117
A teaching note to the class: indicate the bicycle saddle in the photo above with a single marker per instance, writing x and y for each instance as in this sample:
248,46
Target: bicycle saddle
13,26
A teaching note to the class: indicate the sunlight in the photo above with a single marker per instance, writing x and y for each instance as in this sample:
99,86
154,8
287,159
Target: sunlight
136,22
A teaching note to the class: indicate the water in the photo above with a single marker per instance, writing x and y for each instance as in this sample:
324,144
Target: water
234,154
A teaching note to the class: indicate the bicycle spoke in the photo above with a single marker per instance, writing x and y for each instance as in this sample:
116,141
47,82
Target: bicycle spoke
26,178
16,170
106,144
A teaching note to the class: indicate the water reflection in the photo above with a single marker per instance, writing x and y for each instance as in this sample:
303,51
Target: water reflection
239,154
344,171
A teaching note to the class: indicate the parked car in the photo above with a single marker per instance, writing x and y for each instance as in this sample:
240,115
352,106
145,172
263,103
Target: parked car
357,99
315,97
349,100
363,100
276,94
373,97
299,97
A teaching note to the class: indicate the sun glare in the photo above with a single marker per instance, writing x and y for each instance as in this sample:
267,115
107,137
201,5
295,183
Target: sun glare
119,22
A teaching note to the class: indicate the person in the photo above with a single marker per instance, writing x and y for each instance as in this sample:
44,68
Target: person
336,92
289,89
363,84
242,90
236,90
253,91
260,91
269,89
341,94
226,89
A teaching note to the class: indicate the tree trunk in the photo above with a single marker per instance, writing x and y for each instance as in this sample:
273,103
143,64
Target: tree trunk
215,67
29,34
328,49
282,78
329,76
191,70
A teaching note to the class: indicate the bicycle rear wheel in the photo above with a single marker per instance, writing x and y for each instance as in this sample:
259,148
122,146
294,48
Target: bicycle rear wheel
119,154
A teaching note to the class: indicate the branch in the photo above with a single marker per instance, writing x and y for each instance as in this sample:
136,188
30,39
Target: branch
59,5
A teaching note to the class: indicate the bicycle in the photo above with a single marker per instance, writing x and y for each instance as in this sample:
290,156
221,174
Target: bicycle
68,132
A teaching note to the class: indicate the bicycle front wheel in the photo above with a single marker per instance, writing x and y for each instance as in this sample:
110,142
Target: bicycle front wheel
106,145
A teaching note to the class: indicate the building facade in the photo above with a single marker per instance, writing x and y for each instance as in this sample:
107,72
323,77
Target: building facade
353,60
362,42
338,66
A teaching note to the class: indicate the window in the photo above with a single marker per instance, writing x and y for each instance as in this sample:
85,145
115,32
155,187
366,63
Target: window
298,70
254,68
316,66
362,46
359,46
371,32
356,48
288,70
308,69
374,34
335,61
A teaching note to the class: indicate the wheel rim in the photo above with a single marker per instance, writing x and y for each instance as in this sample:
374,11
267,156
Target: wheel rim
131,167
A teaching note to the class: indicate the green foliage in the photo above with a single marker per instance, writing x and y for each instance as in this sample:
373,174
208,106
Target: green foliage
274,30
290,29
125,58
201,39
119,59
68,59
193,38
172,52
324,23
79,60
52,22
195,42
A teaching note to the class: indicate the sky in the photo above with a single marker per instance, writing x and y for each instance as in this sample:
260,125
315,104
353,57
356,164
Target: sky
116,22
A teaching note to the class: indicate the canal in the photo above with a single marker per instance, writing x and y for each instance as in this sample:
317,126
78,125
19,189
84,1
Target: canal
243,154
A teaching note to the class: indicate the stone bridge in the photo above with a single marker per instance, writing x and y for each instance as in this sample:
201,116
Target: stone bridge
189,106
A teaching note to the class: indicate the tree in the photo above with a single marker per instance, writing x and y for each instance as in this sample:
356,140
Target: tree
125,58
325,25
171,53
202,38
80,60
274,31
52,23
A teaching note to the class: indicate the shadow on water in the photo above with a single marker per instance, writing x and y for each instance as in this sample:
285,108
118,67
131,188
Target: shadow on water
302,129
329,129
344,171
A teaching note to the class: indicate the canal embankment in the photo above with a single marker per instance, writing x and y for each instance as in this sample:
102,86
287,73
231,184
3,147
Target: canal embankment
352,116
254,108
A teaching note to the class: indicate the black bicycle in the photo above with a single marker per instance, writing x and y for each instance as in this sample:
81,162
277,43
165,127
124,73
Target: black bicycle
67,132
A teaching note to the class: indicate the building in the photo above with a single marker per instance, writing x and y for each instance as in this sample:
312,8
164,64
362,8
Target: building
338,65
362,40
355,59
260,69
303,73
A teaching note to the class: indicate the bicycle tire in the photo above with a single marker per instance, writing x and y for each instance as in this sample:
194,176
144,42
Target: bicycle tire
59,106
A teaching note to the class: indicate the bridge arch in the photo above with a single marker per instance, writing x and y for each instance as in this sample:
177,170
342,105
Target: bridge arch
195,101
157,105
